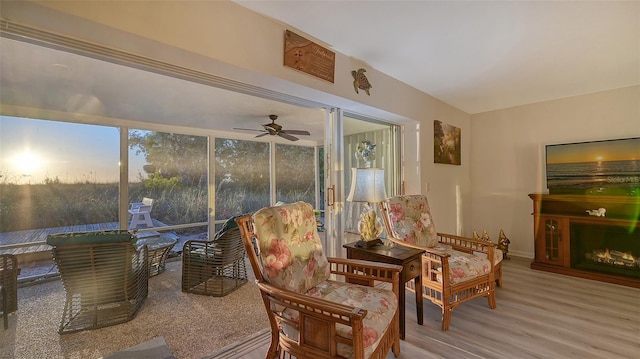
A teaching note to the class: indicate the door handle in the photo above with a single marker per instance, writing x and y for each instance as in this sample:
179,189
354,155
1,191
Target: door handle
331,196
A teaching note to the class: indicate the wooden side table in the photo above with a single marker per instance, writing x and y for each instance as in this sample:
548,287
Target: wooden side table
411,263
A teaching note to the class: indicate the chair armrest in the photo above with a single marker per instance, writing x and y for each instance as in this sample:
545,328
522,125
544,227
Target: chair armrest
201,249
366,272
465,244
337,312
469,245
433,251
135,205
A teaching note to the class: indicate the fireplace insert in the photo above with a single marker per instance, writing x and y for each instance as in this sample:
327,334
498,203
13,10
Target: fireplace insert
605,249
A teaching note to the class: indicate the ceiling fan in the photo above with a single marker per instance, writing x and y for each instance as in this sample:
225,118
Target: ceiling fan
274,129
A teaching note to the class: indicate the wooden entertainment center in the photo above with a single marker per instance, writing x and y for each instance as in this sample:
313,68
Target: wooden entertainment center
570,241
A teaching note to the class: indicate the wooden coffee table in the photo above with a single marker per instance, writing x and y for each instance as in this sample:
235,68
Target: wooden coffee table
408,258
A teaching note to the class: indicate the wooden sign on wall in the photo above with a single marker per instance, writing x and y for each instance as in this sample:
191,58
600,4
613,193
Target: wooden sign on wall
309,57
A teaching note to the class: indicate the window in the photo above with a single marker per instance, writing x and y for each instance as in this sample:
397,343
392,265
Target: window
57,174
171,169
295,174
242,182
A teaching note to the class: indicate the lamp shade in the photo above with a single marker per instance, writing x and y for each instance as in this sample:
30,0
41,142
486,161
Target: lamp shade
367,185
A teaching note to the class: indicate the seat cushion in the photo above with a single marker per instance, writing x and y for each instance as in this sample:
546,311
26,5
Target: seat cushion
411,220
290,249
110,236
497,255
380,304
464,266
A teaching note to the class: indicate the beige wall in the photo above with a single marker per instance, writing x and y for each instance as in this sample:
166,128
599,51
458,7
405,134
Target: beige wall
507,158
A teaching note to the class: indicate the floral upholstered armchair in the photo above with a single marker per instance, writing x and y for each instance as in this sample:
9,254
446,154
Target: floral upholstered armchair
454,269
311,314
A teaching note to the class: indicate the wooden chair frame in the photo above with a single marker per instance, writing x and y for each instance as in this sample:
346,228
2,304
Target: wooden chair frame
436,277
318,318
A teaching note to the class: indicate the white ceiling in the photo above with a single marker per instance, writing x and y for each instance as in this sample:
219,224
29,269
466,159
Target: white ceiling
42,78
36,77
479,55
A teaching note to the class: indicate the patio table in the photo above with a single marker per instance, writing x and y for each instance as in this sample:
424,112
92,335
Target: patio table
158,248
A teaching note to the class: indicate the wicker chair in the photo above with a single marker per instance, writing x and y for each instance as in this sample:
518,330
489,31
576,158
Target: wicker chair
9,272
3,308
454,269
215,267
311,315
105,277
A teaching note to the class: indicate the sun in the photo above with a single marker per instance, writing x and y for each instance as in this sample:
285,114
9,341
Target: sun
28,162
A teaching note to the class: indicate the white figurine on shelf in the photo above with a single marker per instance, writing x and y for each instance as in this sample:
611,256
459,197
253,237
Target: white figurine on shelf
600,212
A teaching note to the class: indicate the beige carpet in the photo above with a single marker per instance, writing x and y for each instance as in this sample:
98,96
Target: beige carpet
193,326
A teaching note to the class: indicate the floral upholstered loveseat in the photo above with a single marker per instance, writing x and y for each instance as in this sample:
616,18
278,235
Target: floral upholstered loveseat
311,314
454,269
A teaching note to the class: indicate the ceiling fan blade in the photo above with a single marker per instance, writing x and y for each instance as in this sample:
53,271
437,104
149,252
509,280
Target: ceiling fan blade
287,136
248,129
264,134
296,132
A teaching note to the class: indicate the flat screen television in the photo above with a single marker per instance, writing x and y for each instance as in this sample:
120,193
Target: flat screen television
609,167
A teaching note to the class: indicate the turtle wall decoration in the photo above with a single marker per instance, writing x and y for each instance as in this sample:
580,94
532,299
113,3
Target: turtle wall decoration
360,81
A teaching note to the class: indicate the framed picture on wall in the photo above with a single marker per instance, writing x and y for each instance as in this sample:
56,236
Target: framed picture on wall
446,143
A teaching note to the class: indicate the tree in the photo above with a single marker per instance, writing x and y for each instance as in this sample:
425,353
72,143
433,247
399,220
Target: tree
172,155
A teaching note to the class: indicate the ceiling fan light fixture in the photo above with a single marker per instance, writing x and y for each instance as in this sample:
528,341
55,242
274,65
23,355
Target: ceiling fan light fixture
275,129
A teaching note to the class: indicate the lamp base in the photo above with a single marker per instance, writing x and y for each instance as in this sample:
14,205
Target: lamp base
368,244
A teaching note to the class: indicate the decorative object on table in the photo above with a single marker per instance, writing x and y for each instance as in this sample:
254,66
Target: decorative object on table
366,151
360,81
485,236
446,144
503,245
600,212
475,235
105,277
367,185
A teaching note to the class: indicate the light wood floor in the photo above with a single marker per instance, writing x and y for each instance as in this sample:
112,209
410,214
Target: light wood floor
539,315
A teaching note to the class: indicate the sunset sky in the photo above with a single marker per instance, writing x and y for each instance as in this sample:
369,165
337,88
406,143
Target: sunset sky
32,150
629,149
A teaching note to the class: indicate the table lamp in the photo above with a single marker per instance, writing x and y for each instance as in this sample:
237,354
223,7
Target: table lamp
367,185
